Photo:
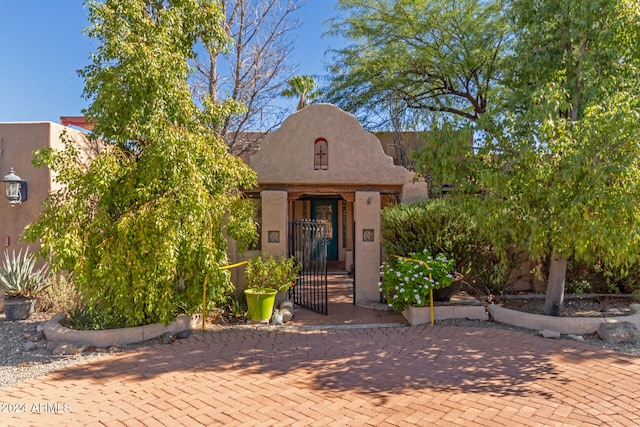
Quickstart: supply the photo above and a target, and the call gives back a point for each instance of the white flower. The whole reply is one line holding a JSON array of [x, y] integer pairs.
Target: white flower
[[398, 274], [395, 297], [449, 276], [397, 287]]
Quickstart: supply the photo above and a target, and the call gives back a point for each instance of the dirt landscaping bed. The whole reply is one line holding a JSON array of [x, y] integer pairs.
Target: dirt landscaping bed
[[584, 306]]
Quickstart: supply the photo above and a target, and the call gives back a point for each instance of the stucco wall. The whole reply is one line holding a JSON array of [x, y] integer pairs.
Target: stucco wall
[[18, 142], [355, 156]]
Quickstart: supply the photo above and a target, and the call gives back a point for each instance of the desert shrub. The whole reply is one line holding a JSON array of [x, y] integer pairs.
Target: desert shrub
[[61, 295], [440, 227]]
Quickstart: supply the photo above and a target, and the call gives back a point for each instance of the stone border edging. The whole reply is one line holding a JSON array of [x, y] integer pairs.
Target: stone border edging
[[564, 325], [422, 315], [55, 332]]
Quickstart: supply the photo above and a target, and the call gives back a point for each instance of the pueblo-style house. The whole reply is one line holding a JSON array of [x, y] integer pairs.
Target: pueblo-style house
[[319, 165], [322, 165]]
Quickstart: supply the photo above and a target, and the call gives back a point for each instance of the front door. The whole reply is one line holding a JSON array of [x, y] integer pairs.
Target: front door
[[327, 211]]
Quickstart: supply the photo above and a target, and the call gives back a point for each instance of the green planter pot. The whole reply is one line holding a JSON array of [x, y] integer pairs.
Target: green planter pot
[[260, 302]]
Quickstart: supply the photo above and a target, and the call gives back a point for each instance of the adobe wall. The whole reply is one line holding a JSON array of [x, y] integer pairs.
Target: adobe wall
[[18, 143], [355, 156]]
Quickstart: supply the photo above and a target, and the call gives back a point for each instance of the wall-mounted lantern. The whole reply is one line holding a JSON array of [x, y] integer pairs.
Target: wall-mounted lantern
[[15, 188]]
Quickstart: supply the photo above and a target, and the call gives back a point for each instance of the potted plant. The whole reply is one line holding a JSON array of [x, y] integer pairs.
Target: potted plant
[[408, 281], [266, 276], [21, 282]]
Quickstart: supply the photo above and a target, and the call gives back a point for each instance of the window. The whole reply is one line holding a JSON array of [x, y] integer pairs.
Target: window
[[321, 154]]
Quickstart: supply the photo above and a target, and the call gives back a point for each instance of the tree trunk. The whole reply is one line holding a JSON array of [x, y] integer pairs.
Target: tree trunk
[[555, 287]]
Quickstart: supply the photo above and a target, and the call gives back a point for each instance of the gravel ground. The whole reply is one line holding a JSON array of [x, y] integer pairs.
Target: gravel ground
[[24, 351]]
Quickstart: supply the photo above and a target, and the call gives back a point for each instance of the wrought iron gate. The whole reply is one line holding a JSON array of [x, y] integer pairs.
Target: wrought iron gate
[[309, 245]]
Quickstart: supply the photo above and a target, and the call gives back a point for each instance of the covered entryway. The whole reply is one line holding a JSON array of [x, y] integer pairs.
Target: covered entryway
[[322, 165]]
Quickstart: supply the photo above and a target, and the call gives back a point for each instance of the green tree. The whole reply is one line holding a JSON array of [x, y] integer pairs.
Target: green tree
[[302, 87], [434, 56], [532, 109], [567, 180], [143, 225]]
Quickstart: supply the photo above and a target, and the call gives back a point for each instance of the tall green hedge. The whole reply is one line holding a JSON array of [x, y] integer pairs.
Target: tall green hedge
[[439, 226]]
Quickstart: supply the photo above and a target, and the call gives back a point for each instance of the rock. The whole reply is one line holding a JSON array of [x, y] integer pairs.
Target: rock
[[287, 314], [183, 334], [619, 333], [30, 346], [286, 305], [67, 349], [548, 333], [40, 332], [168, 338], [578, 338], [114, 349], [277, 317], [52, 345]]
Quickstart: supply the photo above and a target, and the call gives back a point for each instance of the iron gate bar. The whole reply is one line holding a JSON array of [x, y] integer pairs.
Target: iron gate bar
[[308, 244]]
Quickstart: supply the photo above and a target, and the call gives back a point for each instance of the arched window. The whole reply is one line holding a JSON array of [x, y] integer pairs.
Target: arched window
[[321, 154]]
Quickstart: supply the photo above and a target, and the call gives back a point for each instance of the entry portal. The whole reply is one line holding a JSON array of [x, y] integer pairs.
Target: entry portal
[[327, 211]]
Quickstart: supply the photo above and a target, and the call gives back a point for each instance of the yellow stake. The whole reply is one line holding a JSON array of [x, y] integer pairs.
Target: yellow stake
[[204, 288], [432, 309]]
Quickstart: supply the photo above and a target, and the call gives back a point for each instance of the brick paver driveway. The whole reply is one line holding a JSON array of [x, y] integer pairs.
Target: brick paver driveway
[[428, 375]]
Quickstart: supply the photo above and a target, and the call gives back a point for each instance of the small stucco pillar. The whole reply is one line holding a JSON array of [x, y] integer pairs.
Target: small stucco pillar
[[367, 247], [274, 222]]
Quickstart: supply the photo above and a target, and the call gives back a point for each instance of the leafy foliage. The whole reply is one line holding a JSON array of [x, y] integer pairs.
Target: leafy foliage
[[438, 226], [302, 87], [548, 91], [272, 272], [409, 281], [433, 56], [144, 225]]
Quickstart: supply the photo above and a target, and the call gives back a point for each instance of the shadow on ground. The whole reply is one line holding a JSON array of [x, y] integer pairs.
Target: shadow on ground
[[372, 361]]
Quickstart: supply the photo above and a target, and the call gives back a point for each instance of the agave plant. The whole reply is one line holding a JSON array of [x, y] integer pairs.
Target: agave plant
[[19, 276]]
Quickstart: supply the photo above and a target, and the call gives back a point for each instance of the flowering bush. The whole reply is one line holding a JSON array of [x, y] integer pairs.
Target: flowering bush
[[406, 281]]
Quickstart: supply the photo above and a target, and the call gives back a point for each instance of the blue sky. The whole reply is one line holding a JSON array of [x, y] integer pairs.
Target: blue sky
[[42, 47]]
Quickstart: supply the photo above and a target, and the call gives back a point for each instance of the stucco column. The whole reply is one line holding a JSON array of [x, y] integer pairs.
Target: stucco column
[[367, 246], [274, 222]]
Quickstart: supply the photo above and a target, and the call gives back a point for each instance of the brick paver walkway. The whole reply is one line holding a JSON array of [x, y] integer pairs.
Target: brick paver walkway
[[427, 375]]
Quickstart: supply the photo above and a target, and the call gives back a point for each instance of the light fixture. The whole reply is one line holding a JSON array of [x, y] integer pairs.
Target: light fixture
[[15, 188]]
